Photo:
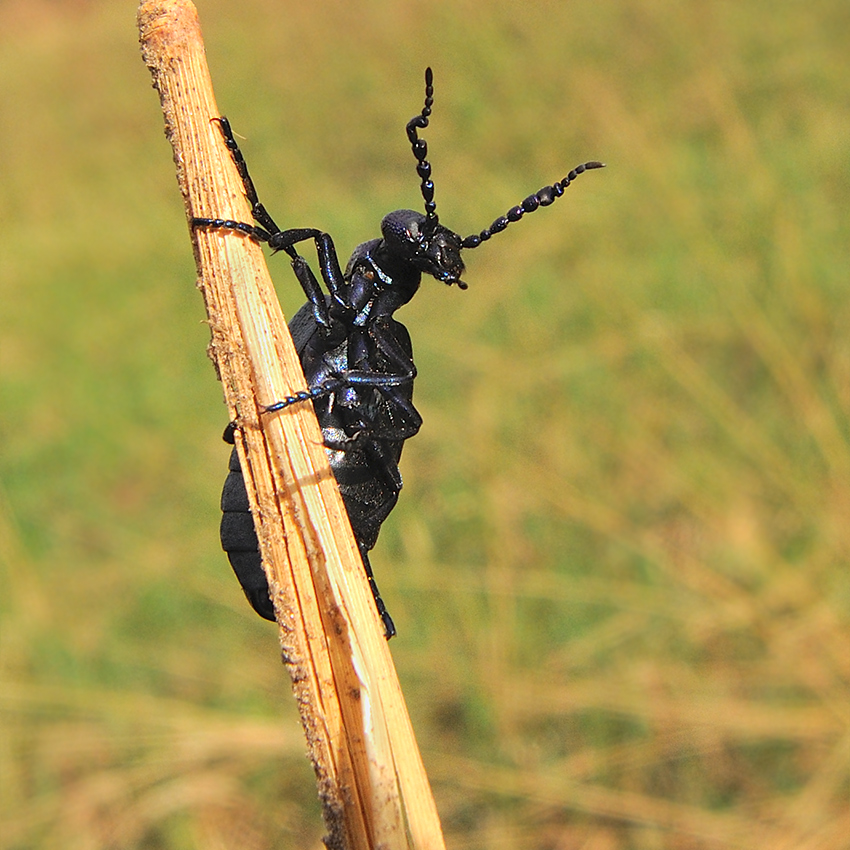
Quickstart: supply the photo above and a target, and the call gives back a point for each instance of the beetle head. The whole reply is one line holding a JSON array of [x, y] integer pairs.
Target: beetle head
[[425, 244]]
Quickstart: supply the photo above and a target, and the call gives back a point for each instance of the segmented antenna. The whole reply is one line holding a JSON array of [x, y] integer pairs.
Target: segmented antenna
[[420, 151], [547, 195]]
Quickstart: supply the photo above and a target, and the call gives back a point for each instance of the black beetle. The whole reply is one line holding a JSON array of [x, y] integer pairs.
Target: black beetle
[[358, 360]]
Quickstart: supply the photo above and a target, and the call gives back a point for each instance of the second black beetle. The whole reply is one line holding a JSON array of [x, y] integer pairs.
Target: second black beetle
[[358, 360]]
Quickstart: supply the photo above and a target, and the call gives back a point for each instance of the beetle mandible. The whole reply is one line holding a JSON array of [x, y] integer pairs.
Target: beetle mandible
[[357, 359]]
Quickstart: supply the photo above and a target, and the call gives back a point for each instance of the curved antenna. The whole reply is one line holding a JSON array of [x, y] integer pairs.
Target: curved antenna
[[420, 151], [547, 195]]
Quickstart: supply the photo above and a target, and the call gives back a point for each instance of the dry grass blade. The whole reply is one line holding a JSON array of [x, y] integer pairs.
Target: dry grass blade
[[371, 779]]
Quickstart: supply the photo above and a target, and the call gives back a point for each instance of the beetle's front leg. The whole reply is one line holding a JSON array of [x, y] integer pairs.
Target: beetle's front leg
[[326, 250], [258, 211], [267, 228], [251, 230]]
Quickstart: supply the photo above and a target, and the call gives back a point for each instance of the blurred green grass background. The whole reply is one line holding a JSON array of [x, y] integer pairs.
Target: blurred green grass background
[[619, 565]]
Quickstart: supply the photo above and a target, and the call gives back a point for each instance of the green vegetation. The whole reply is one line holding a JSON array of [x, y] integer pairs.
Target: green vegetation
[[620, 564]]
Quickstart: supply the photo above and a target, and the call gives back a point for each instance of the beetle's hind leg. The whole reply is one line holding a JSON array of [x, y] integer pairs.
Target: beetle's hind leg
[[386, 619]]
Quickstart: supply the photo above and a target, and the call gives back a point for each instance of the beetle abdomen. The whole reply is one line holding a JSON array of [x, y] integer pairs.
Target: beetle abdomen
[[239, 540]]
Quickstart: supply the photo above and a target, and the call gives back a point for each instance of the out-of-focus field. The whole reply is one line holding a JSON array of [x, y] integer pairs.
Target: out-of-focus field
[[620, 563]]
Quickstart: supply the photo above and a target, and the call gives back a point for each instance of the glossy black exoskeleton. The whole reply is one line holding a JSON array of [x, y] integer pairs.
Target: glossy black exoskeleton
[[358, 360]]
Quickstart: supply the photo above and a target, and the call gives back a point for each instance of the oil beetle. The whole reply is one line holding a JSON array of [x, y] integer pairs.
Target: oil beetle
[[358, 360]]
